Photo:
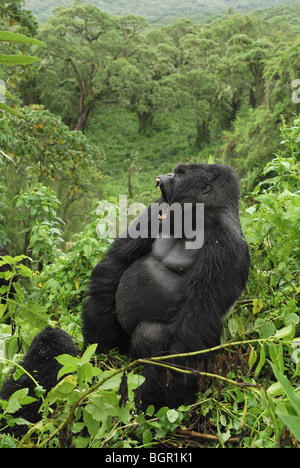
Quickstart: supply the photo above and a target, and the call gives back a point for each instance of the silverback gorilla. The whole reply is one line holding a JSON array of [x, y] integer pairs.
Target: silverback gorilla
[[155, 295]]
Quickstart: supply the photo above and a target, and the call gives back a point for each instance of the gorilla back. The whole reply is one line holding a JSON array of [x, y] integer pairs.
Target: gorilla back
[[159, 295]]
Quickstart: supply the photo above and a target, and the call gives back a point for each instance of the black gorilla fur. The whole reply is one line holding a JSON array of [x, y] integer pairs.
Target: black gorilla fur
[[152, 296], [40, 362]]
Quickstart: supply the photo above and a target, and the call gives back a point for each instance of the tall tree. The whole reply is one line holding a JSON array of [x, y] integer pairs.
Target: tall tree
[[83, 43], [141, 79]]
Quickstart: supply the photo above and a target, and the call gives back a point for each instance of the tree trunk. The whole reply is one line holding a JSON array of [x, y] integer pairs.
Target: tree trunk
[[82, 119], [202, 134], [145, 121]]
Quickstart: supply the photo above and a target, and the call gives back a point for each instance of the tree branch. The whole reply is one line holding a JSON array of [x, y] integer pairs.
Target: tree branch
[[79, 83], [200, 435]]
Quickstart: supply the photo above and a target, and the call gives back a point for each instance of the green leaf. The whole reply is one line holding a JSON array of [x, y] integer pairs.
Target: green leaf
[[257, 306], [86, 372], [7, 36], [96, 408], [19, 290], [224, 436], [24, 271], [172, 415], [68, 360], [261, 362], [268, 329], [289, 391], [275, 389], [150, 411], [3, 91], [11, 111], [233, 326], [12, 60], [147, 437], [252, 358], [292, 422], [69, 363], [18, 399], [7, 442], [2, 309], [39, 391], [91, 421], [276, 355], [88, 353], [66, 385], [286, 332]]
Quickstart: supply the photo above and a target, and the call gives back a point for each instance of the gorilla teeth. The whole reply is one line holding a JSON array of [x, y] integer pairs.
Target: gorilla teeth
[[162, 215]]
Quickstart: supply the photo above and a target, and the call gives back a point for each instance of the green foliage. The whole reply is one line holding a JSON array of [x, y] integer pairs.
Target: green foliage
[[288, 409], [275, 241], [20, 318], [217, 88], [64, 280], [12, 12], [15, 402], [17, 59], [37, 211], [45, 151], [94, 408], [3, 204], [85, 43]]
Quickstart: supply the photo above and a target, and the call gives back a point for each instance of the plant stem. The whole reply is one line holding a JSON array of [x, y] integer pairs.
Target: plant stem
[[208, 350]]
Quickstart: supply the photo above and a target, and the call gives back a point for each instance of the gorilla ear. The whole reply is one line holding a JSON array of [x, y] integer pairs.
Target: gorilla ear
[[205, 188]]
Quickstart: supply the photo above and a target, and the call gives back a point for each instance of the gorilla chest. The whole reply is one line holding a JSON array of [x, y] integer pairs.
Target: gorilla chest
[[154, 285]]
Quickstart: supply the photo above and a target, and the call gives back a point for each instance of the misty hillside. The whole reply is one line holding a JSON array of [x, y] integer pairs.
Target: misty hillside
[[155, 11]]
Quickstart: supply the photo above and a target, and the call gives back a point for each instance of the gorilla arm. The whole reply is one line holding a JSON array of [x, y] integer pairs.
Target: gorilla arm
[[98, 314]]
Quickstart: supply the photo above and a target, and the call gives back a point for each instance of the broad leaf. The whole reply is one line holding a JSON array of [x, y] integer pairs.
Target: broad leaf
[[7, 36]]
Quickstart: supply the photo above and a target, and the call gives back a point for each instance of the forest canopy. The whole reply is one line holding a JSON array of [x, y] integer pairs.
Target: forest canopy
[[95, 103]]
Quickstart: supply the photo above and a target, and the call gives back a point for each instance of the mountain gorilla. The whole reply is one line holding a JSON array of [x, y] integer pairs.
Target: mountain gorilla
[[39, 362], [153, 296], [156, 294]]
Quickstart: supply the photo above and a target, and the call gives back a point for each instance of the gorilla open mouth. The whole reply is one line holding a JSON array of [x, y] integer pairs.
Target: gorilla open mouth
[[163, 213], [159, 183]]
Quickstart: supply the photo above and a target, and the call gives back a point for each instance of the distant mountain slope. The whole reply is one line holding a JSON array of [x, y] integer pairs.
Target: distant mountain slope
[[157, 11]]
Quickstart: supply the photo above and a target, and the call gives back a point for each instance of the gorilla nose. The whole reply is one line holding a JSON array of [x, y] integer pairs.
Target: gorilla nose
[[162, 179], [165, 183]]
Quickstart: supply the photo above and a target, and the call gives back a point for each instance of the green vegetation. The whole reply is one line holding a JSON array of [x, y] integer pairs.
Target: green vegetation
[[157, 12], [111, 103]]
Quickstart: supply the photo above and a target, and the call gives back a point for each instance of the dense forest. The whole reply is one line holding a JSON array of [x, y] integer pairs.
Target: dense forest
[[96, 103]]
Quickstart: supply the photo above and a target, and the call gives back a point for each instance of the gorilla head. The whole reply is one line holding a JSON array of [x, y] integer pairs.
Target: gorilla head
[[215, 185]]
